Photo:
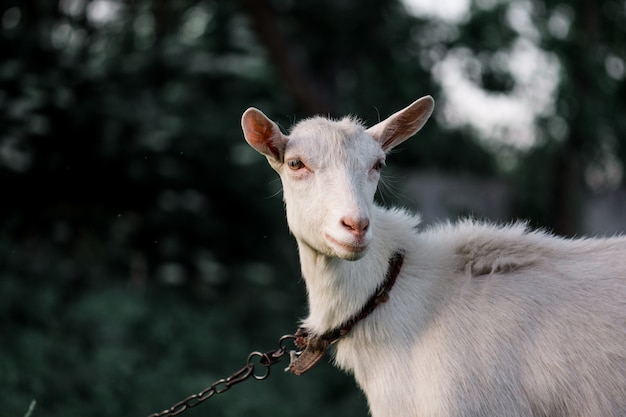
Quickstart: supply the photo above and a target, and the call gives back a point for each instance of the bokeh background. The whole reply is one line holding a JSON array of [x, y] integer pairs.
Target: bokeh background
[[143, 247]]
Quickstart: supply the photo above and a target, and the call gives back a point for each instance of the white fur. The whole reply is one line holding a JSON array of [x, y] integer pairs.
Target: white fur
[[483, 320]]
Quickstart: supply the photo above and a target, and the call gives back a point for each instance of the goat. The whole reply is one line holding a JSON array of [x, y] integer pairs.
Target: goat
[[483, 320]]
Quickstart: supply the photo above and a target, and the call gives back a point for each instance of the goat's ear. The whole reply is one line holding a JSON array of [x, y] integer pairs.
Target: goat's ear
[[263, 134], [403, 124]]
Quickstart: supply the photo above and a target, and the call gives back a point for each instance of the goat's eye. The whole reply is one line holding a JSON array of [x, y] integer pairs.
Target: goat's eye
[[378, 165], [295, 164]]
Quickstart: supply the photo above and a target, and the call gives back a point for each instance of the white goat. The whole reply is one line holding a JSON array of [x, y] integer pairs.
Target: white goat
[[482, 320]]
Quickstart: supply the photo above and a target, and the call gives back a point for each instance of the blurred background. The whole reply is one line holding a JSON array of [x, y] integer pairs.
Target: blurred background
[[143, 247]]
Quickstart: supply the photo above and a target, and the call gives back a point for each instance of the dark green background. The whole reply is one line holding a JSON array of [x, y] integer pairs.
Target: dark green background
[[143, 247]]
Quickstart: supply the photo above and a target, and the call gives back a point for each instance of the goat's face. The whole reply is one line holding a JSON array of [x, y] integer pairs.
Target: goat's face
[[329, 175], [330, 170]]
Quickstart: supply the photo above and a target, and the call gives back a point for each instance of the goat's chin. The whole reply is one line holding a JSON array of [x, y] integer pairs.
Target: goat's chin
[[345, 251], [352, 256]]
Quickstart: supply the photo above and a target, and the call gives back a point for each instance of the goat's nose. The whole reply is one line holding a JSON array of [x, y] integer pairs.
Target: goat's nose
[[356, 226]]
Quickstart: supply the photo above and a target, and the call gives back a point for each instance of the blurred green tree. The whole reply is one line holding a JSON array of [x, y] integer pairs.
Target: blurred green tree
[[143, 243], [580, 137]]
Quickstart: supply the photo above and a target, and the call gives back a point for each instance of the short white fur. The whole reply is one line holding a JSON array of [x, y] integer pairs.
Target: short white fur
[[483, 320]]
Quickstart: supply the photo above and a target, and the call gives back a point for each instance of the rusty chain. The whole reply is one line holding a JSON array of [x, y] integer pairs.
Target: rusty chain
[[266, 359]]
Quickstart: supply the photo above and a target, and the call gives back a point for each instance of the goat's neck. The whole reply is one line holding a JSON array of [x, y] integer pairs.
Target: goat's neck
[[337, 289]]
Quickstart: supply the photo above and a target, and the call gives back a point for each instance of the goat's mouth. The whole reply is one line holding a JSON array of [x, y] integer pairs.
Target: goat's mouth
[[355, 249]]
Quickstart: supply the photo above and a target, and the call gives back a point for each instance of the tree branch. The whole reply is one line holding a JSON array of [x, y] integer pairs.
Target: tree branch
[[310, 94]]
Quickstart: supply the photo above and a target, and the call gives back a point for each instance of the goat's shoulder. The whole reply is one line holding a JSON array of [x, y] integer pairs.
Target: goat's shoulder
[[480, 248]]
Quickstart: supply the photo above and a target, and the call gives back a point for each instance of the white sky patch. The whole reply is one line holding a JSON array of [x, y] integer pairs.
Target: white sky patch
[[449, 10], [498, 118], [101, 12], [519, 18]]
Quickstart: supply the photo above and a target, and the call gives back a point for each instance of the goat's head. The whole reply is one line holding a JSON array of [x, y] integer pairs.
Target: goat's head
[[330, 171]]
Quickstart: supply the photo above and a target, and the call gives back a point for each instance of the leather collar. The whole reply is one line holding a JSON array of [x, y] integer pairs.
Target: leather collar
[[314, 347]]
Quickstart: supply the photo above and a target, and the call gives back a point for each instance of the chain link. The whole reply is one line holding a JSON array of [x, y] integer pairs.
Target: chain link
[[266, 360]]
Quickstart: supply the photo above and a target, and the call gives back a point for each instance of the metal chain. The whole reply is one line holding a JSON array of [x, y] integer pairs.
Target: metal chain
[[266, 359]]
